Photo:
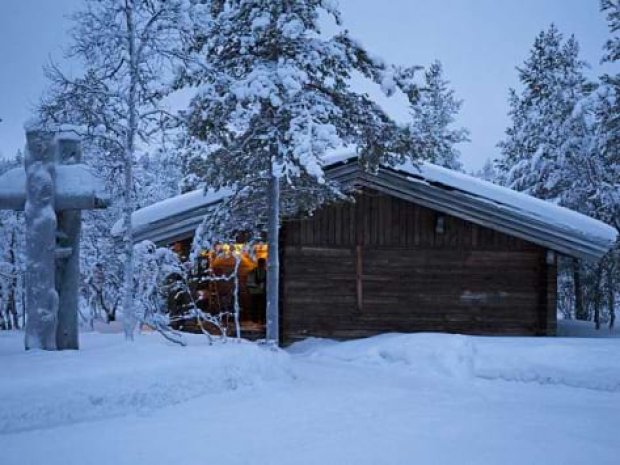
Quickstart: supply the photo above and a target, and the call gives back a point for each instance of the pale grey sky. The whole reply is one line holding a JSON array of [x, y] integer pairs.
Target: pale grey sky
[[479, 42]]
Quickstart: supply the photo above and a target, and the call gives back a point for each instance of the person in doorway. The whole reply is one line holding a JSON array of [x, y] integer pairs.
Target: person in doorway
[[257, 280]]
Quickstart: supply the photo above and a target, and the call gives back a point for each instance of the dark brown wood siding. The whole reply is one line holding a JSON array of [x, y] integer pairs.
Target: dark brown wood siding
[[379, 265]]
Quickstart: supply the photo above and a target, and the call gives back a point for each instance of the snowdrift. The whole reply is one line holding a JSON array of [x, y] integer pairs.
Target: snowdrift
[[110, 377], [578, 363]]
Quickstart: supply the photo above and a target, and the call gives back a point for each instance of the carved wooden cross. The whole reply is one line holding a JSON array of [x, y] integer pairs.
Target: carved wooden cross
[[52, 190]]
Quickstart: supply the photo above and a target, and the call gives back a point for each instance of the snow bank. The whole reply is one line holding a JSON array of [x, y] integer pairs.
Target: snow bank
[[110, 377], [580, 363], [575, 328]]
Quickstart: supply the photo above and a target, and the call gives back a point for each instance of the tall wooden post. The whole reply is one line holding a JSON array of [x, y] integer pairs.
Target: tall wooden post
[[68, 257], [41, 295], [53, 222]]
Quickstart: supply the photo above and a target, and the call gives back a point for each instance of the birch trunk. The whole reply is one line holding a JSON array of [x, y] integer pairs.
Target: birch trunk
[[12, 298], [273, 261], [129, 316], [597, 296], [611, 301]]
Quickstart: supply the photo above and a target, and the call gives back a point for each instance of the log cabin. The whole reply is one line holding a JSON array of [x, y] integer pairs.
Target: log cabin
[[422, 248]]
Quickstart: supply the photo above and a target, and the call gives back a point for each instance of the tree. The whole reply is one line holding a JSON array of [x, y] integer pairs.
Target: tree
[[487, 172], [612, 47], [273, 97], [551, 132], [11, 259], [534, 152], [433, 114], [608, 116], [124, 47]]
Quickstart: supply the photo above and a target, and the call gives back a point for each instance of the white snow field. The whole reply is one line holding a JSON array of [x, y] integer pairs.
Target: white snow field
[[388, 400]]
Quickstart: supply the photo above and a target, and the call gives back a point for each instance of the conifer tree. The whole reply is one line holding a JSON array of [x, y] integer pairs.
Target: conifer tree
[[551, 132], [608, 117], [533, 154], [434, 114], [273, 96]]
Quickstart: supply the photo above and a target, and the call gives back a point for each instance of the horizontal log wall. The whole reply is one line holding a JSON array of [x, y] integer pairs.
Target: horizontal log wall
[[378, 265]]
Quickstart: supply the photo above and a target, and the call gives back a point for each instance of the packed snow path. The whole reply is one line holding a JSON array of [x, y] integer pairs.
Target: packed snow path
[[394, 399]]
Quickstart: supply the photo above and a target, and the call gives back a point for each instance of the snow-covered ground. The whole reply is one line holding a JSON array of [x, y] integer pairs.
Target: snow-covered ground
[[392, 399]]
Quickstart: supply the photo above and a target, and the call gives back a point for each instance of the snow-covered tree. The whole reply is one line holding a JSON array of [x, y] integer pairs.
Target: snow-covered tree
[[533, 154], [611, 8], [123, 45], [608, 115], [560, 147], [11, 260], [550, 129], [488, 172], [273, 95], [607, 196], [595, 174], [434, 115]]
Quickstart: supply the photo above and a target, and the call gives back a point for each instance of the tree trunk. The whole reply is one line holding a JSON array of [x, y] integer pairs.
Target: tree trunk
[[597, 296], [580, 313], [611, 300], [129, 316], [273, 261], [12, 299]]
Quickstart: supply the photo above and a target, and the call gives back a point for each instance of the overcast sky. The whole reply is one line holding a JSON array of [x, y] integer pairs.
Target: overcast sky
[[479, 42]]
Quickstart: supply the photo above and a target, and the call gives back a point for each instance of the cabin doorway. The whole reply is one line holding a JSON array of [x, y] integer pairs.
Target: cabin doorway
[[212, 287]]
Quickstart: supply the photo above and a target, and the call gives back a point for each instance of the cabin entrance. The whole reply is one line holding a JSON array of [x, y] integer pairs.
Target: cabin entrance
[[212, 287]]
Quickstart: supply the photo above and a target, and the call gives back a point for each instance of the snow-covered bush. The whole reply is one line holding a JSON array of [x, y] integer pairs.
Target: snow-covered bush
[[162, 282]]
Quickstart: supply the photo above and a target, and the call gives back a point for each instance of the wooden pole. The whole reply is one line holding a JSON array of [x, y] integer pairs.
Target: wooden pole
[[41, 295], [68, 259]]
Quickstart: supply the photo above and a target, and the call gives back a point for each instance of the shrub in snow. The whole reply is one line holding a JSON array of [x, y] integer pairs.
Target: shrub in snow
[[161, 278]]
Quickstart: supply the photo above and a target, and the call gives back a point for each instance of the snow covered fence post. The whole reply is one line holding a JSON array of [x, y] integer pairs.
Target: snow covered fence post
[[41, 294]]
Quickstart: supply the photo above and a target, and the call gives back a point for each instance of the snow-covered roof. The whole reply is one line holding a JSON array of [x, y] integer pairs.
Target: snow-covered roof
[[500, 196], [174, 218], [445, 190]]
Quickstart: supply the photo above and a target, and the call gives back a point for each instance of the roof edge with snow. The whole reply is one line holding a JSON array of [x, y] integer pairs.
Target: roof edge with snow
[[454, 193]]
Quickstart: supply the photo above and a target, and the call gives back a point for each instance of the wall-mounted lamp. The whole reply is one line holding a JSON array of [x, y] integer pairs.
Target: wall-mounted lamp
[[440, 224]]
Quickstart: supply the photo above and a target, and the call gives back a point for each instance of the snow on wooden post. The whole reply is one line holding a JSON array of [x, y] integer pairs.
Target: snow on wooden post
[[41, 294], [52, 190], [68, 256]]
